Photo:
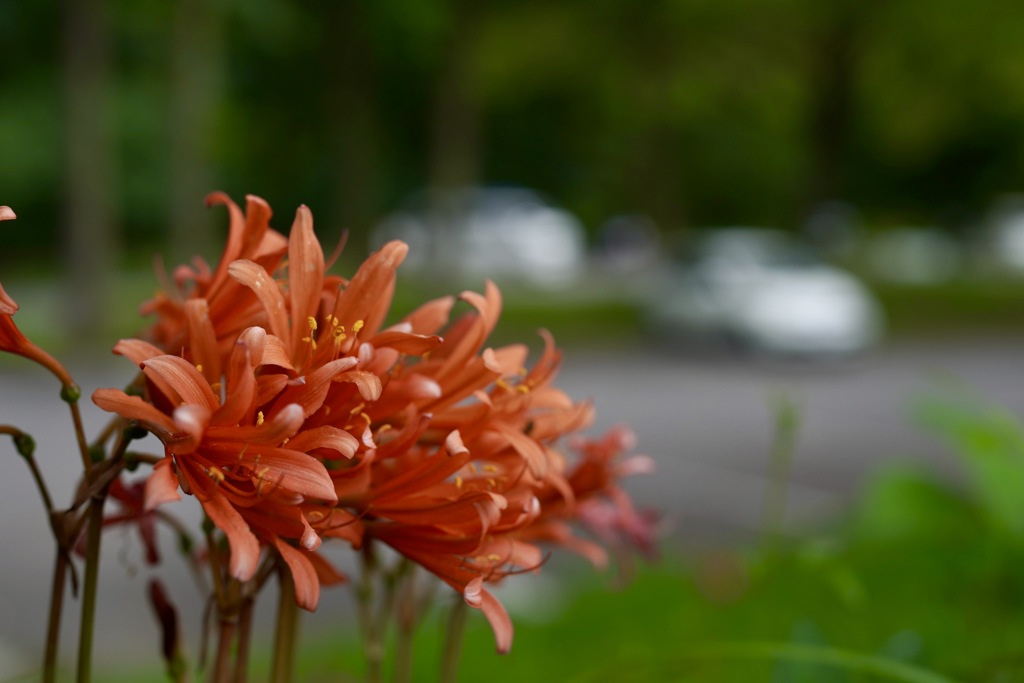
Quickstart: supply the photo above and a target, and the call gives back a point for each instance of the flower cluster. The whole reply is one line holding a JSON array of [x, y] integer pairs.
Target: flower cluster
[[294, 414]]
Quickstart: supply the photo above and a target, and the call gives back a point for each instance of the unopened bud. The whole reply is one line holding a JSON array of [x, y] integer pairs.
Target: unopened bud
[[70, 393]]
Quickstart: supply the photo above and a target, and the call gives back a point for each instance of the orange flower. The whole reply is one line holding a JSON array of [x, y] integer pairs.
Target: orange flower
[[229, 307], [11, 338], [244, 456]]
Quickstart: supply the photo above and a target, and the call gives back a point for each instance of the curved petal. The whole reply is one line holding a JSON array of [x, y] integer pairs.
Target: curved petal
[[245, 549], [326, 437], [161, 486], [304, 576], [256, 278], [184, 379], [305, 276], [134, 408], [478, 596], [202, 339]]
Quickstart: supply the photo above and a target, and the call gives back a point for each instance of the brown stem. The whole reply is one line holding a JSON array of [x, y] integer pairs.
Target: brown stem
[[221, 671], [244, 636]]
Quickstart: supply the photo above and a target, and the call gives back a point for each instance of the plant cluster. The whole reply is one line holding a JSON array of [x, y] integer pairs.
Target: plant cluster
[[295, 415]]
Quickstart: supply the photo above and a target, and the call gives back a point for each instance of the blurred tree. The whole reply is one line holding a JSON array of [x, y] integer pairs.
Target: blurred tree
[[90, 214], [197, 88]]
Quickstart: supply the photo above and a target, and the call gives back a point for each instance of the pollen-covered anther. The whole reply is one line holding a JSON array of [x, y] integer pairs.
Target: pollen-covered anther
[[523, 388], [215, 473], [490, 468], [259, 419], [357, 325], [311, 321], [315, 516], [503, 384], [458, 482]]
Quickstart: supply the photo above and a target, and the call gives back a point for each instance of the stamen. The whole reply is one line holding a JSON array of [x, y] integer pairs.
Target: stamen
[[458, 482], [215, 473], [259, 419]]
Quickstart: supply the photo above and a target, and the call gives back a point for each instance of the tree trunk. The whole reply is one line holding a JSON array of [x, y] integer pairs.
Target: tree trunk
[[90, 220]]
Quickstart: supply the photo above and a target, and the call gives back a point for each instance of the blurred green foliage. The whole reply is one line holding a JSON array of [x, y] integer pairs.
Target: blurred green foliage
[[921, 582], [694, 112]]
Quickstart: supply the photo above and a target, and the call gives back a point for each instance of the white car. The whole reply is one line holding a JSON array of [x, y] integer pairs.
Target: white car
[[502, 233], [762, 289]]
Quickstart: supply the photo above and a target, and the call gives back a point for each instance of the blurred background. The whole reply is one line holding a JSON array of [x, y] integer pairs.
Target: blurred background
[[760, 228]]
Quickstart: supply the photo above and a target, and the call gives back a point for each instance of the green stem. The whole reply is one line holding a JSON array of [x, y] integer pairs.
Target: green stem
[[92, 565], [94, 533], [83, 445], [453, 642], [787, 424], [406, 618], [53, 624], [282, 665], [373, 647]]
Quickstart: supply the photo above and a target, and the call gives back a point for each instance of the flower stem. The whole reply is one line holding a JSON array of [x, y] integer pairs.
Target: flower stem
[[225, 637], [282, 665], [83, 445], [373, 647], [244, 636], [53, 625], [406, 619], [453, 643], [92, 566]]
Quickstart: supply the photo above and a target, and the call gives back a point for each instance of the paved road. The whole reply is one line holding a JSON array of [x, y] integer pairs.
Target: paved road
[[705, 419]]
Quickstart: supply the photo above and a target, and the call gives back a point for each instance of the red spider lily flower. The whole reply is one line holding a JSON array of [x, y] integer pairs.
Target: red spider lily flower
[[598, 502], [234, 454], [229, 307], [11, 338]]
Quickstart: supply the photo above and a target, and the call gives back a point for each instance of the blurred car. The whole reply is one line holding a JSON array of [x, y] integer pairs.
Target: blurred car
[[502, 233], [762, 289]]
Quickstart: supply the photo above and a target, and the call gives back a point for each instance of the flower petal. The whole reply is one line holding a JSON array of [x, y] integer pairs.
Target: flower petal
[[161, 486], [478, 596], [304, 576]]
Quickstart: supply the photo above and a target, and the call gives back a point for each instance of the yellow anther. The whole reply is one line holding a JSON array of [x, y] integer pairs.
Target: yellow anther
[[216, 386], [356, 326], [458, 482], [286, 440], [357, 409], [493, 558], [314, 516], [490, 468], [216, 474], [259, 419], [312, 323], [503, 384], [199, 367], [339, 335], [383, 428], [327, 410], [522, 389], [369, 420]]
